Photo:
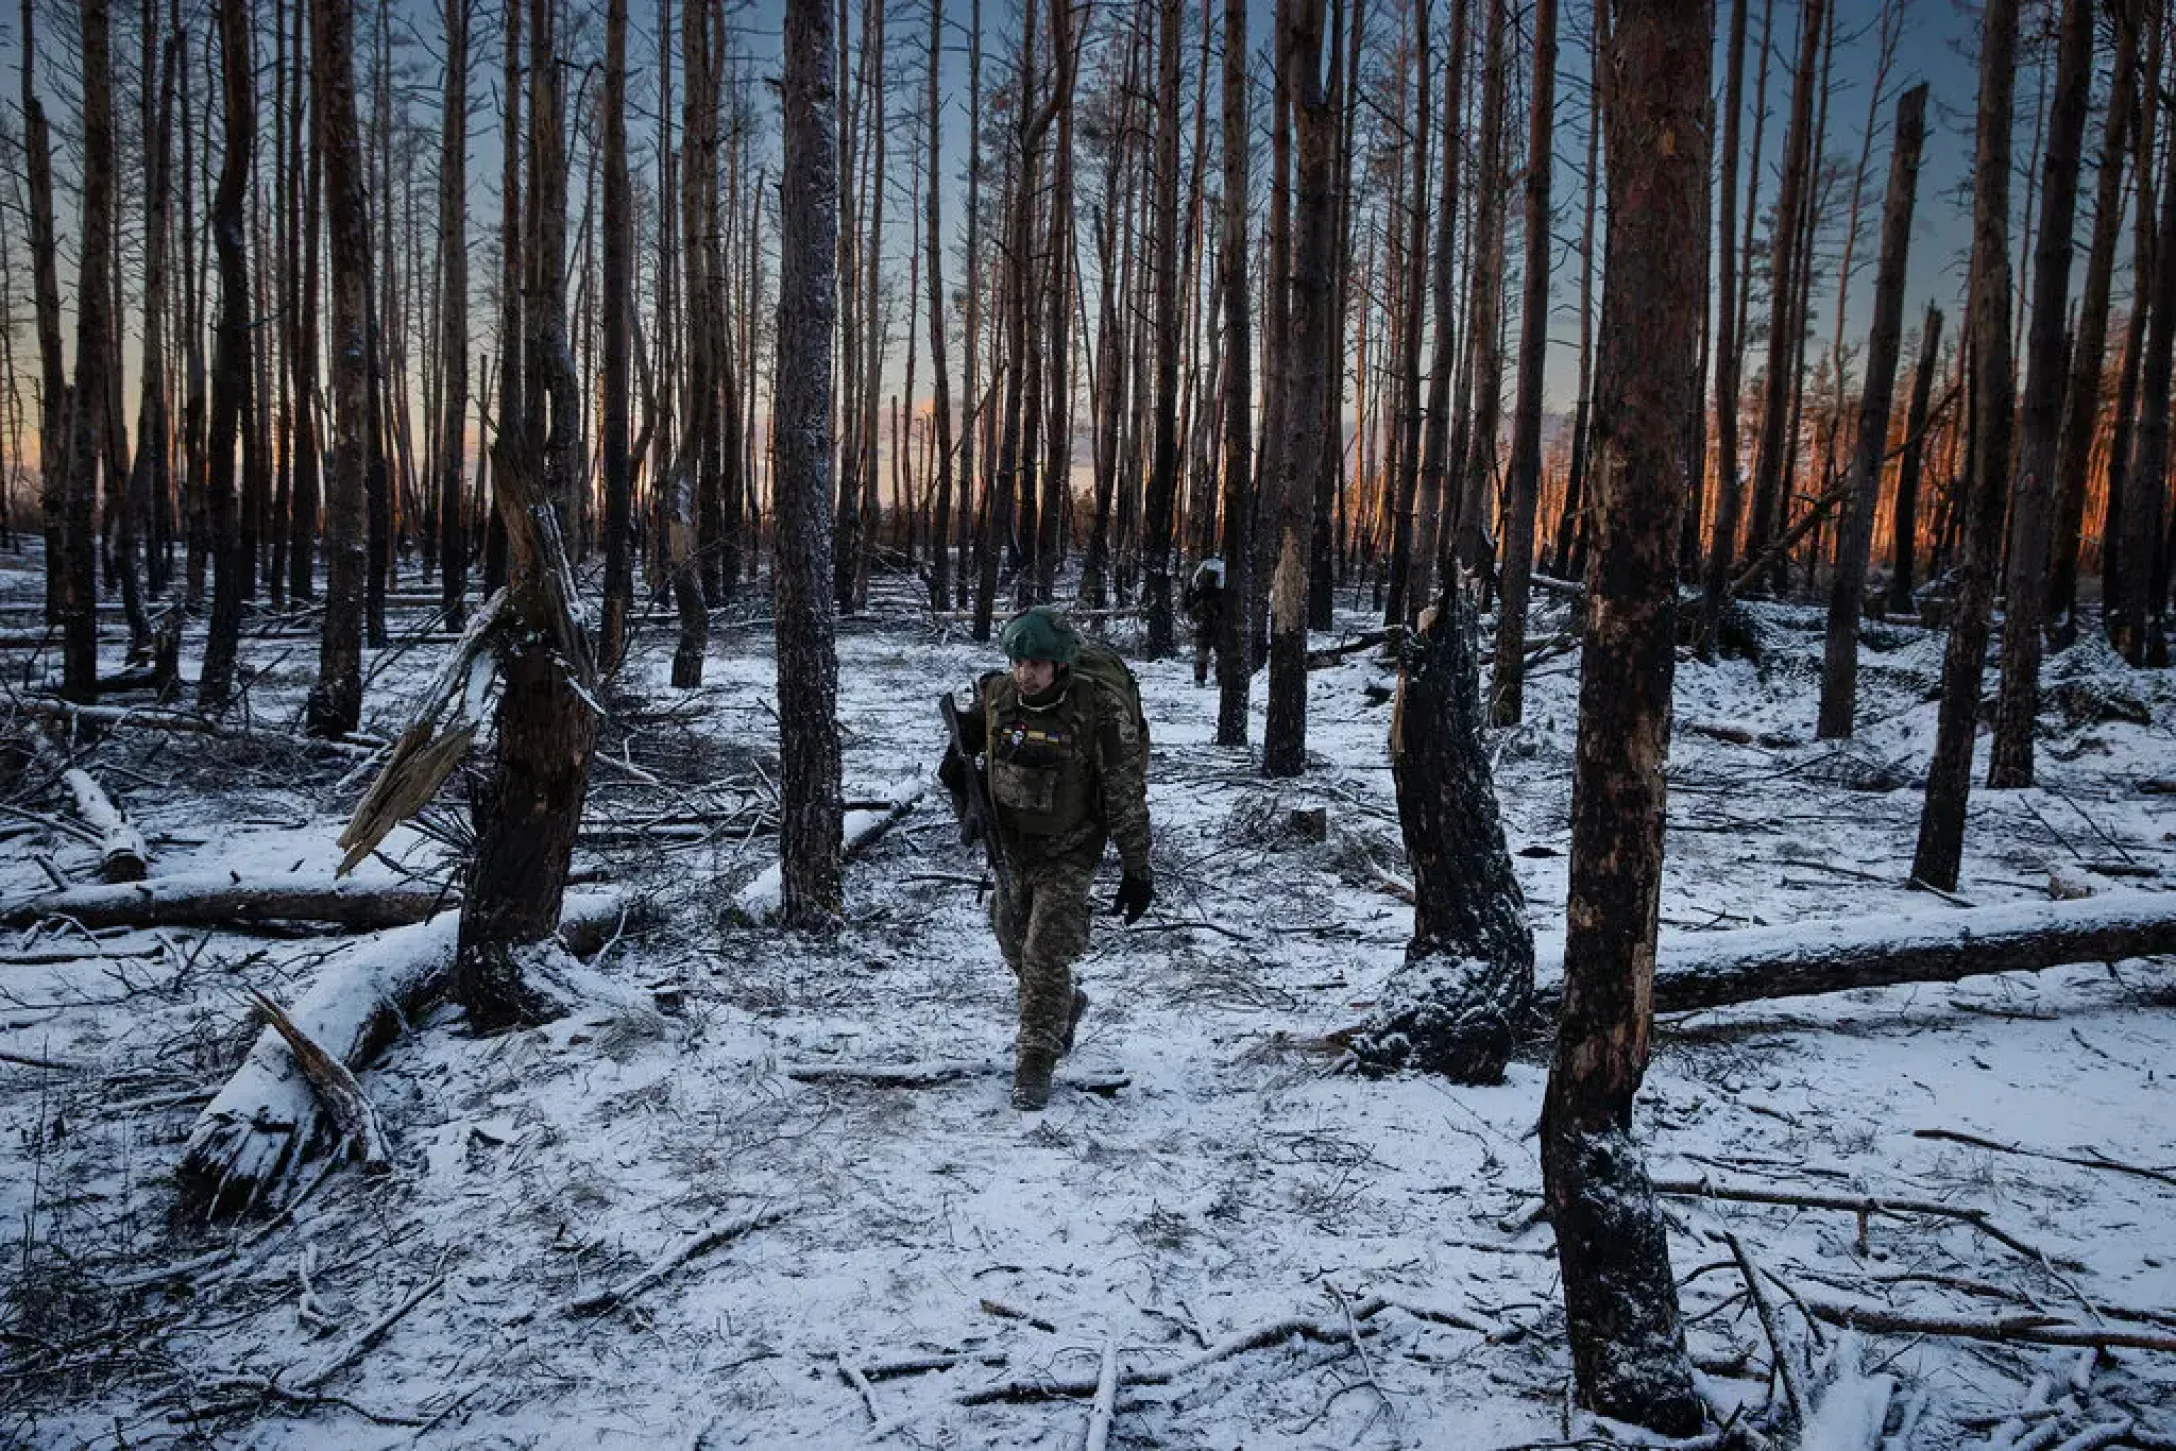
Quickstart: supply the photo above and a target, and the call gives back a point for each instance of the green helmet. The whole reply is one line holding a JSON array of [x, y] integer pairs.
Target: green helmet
[[1041, 633]]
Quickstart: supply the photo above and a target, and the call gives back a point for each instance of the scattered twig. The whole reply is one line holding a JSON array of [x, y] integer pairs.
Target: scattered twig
[[1004, 1311], [1786, 1363], [2089, 1160], [355, 1349], [1862, 1205], [2018, 1329], [701, 1244]]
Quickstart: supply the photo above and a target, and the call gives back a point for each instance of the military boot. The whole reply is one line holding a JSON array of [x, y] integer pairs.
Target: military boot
[[1031, 1081], [1072, 1020]]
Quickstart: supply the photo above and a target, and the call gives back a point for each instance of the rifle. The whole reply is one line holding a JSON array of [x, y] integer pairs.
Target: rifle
[[981, 811]]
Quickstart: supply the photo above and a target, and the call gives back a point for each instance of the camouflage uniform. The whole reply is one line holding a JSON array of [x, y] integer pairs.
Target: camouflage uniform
[[1066, 774], [1205, 608]]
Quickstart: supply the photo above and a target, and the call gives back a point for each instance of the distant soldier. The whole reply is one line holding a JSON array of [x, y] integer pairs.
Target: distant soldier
[[1205, 608], [1063, 767]]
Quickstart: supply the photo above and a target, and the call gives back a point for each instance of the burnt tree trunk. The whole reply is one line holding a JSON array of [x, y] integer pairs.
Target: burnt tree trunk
[[1409, 539], [1847, 592], [1163, 482], [808, 679], [2040, 420], [1783, 272], [1234, 680], [2138, 609], [529, 805], [1949, 776], [1569, 557], [306, 499], [336, 700], [618, 303], [1459, 1001], [53, 442], [2081, 409], [940, 529], [1729, 485], [1507, 684], [453, 319], [1620, 1296], [1472, 545], [231, 403], [1904, 519], [75, 565], [1300, 47]]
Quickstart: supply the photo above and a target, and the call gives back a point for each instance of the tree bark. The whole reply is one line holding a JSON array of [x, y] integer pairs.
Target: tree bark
[[1620, 1296], [1418, 492], [1949, 775], [305, 499], [1847, 592], [1507, 685], [940, 534], [54, 442], [1234, 680], [807, 653], [336, 700], [2040, 420]]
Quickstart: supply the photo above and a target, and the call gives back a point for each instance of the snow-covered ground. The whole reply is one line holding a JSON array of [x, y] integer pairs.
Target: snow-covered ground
[[931, 1266]]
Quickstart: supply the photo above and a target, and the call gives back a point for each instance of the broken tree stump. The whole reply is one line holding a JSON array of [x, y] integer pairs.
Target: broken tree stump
[[1457, 1002], [249, 1140]]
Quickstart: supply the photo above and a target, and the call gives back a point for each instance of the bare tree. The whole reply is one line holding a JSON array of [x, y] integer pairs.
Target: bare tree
[[1729, 484], [1164, 472], [1300, 50], [1411, 538], [76, 561], [54, 445], [453, 317], [1904, 515], [232, 402], [940, 537], [2139, 606], [1949, 775], [1507, 686], [619, 302], [1470, 543], [1233, 677], [1847, 595], [1786, 262], [336, 700], [808, 680], [2081, 410], [1620, 1297]]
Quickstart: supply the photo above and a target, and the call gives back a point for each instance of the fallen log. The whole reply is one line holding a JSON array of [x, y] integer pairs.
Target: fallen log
[[227, 901], [1802, 959], [931, 1074], [122, 854], [266, 1122], [114, 717], [1330, 655]]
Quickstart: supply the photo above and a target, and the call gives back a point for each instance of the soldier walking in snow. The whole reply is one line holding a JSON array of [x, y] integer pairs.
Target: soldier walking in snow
[[1205, 608], [1062, 768]]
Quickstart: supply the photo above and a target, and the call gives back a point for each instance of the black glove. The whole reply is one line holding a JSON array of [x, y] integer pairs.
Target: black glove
[[1134, 895]]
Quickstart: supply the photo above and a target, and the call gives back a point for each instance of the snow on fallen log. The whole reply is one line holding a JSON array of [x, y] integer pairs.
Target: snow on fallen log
[[267, 1119], [1801, 959], [122, 854], [760, 900], [224, 900]]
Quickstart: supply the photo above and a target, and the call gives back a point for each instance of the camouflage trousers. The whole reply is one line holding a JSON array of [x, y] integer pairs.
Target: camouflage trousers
[[1204, 649], [1042, 927]]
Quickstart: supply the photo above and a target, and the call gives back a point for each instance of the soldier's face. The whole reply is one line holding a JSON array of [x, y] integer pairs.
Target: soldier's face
[[1033, 677]]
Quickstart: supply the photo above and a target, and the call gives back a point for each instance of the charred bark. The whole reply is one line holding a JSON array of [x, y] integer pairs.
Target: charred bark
[[807, 304], [231, 415], [1620, 1296], [1234, 679]]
